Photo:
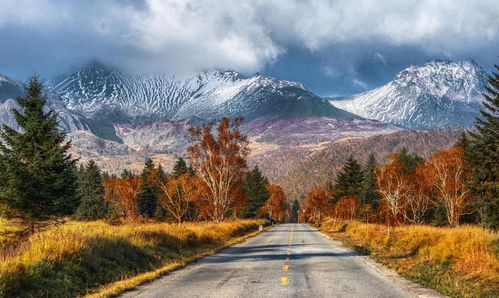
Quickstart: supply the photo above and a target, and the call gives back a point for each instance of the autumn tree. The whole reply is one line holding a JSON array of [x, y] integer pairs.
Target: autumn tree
[[390, 185], [37, 173], [220, 160], [346, 208], [179, 195], [448, 177], [275, 205], [124, 192], [317, 204]]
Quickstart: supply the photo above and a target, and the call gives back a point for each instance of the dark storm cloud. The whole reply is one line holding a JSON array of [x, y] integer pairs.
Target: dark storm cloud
[[334, 47]]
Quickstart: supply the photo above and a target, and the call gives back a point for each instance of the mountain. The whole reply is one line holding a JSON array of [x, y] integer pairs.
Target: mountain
[[101, 93], [10, 89], [439, 93]]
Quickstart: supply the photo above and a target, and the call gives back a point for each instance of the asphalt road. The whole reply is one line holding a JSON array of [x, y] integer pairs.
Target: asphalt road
[[289, 260]]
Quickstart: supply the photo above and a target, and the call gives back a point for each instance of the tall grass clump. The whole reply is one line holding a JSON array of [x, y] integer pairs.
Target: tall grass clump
[[77, 257], [461, 261]]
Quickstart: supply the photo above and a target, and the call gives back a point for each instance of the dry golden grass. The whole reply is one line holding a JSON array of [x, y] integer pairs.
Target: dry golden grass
[[462, 261], [76, 257]]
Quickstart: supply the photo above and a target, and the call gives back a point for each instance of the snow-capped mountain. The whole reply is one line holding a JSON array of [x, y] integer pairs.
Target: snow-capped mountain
[[10, 89], [99, 92], [439, 93]]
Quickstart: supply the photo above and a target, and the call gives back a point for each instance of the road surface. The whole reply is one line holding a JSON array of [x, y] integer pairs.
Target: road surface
[[289, 260]]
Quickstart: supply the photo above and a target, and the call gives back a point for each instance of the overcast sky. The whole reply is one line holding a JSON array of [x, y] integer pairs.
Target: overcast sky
[[333, 47]]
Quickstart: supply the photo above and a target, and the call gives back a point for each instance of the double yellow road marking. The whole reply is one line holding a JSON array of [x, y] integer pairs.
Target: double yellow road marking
[[285, 268]]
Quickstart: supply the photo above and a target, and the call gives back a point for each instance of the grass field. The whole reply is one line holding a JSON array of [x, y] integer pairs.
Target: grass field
[[460, 262], [78, 258]]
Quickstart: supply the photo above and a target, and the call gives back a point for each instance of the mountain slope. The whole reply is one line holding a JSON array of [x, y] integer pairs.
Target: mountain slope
[[10, 89], [99, 92], [439, 93]]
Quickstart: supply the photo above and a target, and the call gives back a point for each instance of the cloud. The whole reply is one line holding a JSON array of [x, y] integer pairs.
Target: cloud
[[183, 36]]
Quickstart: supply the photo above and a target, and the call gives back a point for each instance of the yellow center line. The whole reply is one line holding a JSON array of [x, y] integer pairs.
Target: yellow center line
[[284, 280], [285, 268]]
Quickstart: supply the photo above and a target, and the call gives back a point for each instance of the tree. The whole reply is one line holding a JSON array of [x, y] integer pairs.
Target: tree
[[179, 195], [295, 210], [124, 192], [349, 180], [151, 179], [180, 168], [317, 204], [390, 185], [448, 177], [483, 156], [220, 161], [369, 196], [91, 194], [255, 186], [275, 205], [38, 175], [346, 207]]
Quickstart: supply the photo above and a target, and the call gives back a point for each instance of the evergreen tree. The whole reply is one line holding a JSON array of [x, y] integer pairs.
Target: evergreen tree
[[38, 176], [127, 173], [90, 192], [409, 160], [147, 201], [349, 180], [254, 187], [483, 157], [180, 168], [369, 194], [295, 210]]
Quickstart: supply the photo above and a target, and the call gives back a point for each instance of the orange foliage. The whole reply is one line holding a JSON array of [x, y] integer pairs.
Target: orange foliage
[[180, 194], [275, 206], [220, 161], [446, 169], [317, 204], [346, 207], [124, 193]]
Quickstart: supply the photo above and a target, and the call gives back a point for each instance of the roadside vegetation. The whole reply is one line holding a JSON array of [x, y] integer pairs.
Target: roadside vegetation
[[459, 262], [68, 229], [409, 213], [77, 257]]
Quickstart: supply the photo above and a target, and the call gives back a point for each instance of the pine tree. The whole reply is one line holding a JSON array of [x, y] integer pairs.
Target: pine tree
[[180, 168], [254, 187], [483, 156], [369, 195], [349, 180], [147, 201], [295, 210], [409, 160], [90, 192], [38, 176]]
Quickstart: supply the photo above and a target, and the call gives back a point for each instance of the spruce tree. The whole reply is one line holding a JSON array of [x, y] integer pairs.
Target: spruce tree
[[295, 210], [90, 192], [409, 160], [147, 201], [483, 156], [254, 187], [349, 180], [180, 168], [38, 176], [369, 194]]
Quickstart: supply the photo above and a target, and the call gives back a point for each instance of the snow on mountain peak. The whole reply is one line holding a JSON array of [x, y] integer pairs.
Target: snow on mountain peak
[[438, 93]]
